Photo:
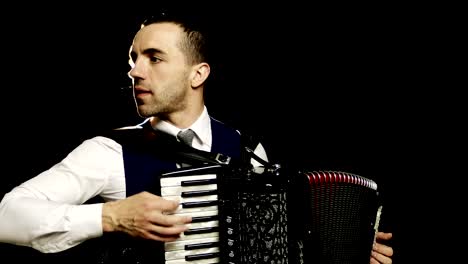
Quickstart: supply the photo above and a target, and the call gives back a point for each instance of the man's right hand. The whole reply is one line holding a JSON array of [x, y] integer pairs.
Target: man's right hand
[[144, 215]]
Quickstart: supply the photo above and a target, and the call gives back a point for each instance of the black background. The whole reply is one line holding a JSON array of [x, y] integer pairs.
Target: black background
[[348, 77]]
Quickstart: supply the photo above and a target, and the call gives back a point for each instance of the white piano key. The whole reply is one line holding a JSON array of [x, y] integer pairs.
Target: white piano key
[[176, 181], [193, 199], [202, 224], [200, 213], [180, 254], [181, 210], [177, 190], [178, 245]]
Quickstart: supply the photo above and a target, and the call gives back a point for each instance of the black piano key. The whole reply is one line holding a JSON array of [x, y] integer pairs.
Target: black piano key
[[199, 193], [201, 256], [199, 204], [201, 245], [198, 219], [202, 230], [198, 182]]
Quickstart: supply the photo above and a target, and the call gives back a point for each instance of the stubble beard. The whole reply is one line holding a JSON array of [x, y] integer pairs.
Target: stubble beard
[[169, 101]]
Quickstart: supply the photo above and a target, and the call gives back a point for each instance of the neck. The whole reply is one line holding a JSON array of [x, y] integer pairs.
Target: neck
[[181, 119]]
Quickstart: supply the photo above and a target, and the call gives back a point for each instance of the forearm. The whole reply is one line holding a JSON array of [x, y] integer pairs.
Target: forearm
[[47, 226]]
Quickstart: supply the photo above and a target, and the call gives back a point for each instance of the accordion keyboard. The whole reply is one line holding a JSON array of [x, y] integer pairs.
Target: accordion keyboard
[[196, 190]]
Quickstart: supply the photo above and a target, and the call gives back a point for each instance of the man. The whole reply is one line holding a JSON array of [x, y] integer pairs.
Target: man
[[168, 70], [52, 213]]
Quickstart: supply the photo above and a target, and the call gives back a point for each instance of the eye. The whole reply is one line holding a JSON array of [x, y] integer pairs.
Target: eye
[[155, 59]]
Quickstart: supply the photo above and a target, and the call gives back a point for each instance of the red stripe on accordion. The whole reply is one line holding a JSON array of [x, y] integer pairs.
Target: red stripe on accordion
[[331, 177]]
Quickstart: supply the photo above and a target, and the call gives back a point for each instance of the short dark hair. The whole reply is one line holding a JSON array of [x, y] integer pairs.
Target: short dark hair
[[194, 45]]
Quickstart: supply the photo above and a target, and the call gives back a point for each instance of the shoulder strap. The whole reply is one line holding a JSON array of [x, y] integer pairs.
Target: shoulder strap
[[164, 145]]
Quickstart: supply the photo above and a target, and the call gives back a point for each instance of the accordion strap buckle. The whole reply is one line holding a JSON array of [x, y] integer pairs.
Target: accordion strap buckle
[[222, 159]]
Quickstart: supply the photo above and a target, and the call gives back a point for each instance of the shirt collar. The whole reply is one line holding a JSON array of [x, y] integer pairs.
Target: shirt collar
[[201, 127]]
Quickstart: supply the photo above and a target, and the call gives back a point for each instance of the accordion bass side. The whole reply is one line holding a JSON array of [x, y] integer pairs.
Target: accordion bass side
[[342, 217], [273, 215]]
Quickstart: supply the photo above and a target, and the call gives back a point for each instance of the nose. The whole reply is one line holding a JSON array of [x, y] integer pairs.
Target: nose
[[136, 71]]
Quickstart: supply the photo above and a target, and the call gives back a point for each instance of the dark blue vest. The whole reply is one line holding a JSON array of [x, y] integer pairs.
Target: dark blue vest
[[143, 167]]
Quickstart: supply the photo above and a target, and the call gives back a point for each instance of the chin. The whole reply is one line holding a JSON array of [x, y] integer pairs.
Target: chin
[[147, 111], [142, 112]]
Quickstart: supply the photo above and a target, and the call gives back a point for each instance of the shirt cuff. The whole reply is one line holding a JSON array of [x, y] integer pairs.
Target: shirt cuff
[[86, 221]]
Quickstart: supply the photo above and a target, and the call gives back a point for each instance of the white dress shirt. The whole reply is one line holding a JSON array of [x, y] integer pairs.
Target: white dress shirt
[[47, 211]]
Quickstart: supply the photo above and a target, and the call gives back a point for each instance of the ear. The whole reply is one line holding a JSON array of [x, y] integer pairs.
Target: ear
[[200, 74]]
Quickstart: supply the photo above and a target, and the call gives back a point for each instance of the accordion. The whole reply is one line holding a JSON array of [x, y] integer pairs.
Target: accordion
[[271, 215]]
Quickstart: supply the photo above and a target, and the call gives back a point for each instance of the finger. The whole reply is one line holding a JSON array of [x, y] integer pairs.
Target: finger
[[167, 230], [166, 205], [160, 237], [384, 236], [161, 219], [380, 258], [373, 261], [383, 249]]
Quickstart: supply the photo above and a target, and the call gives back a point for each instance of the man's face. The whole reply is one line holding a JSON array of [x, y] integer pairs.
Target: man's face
[[159, 71]]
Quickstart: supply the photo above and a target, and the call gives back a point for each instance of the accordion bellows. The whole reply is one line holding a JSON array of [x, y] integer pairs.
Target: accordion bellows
[[342, 215]]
